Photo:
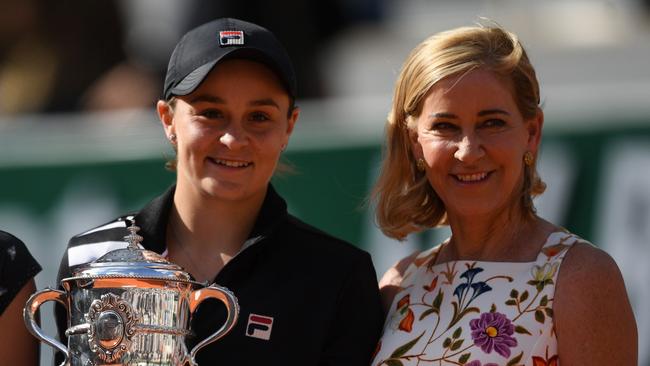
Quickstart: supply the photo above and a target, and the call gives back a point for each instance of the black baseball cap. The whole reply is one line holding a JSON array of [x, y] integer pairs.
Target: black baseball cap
[[204, 46]]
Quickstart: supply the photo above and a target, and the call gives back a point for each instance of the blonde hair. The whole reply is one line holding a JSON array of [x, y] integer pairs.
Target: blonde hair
[[405, 200]]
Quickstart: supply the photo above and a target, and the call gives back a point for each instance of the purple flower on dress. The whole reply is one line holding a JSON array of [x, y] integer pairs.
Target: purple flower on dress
[[478, 363], [492, 331]]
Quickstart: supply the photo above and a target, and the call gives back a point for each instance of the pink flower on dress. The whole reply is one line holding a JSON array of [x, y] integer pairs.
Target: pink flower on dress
[[493, 331]]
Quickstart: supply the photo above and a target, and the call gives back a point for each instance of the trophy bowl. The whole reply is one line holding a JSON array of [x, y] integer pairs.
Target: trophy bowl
[[130, 307]]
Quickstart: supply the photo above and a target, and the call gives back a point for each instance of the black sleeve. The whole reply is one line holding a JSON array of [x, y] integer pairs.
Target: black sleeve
[[17, 267], [355, 331]]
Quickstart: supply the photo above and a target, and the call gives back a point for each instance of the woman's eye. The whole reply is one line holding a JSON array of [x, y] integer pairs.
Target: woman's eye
[[443, 126], [259, 117], [211, 113], [494, 123]]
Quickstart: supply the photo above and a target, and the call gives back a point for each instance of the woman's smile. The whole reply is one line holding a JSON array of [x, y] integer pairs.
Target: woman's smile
[[472, 178], [229, 163]]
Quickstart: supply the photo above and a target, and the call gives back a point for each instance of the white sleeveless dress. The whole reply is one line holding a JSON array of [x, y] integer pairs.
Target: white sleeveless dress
[[475, 313]]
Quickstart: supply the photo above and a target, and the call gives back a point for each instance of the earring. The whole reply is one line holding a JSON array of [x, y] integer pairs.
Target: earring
[[421, 165], [528, 158], [284, 147], [172, 138]]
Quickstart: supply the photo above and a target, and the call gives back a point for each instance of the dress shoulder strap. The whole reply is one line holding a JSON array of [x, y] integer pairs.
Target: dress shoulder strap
[[425, 258], [556, 246]]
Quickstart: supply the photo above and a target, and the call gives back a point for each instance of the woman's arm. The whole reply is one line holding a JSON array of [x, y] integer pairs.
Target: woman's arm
[[593, 318], [17, 345]]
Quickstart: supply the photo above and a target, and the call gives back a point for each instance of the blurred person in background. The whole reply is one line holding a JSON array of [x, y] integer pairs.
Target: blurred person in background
[[51, 53], [109, 55], [507, 287], [17, 271], [306, 297], [151, 28]]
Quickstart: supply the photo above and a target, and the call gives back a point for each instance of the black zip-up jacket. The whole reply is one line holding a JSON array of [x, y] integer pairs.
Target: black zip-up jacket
[[319, 292]]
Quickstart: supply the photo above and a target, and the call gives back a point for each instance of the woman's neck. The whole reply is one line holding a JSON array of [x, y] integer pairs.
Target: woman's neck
[[511, 235], [209, 228]]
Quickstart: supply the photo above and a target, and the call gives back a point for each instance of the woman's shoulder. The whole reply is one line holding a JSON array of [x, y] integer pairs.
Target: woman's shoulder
[[397, 273], [113, 229], [586, 260], [591, 302], [13, 250], [310, 238], [150, 217], [583, 263], [587, 274], [392, 280], [7, 240]]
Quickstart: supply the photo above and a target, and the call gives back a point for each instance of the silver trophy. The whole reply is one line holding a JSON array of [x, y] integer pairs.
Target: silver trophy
[[130, 307]]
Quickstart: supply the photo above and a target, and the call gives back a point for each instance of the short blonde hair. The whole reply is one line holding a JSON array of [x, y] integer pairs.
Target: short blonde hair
[[405, 200]]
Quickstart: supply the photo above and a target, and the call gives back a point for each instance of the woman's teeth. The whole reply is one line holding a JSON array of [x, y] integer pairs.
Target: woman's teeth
[[232, 164], [471, 177]]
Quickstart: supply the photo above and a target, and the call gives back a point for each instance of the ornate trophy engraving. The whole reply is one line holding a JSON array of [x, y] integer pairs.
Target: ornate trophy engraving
[[109, 337], [130, 307]]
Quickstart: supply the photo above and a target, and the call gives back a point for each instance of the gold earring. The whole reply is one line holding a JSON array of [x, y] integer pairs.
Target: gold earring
[[421, 165], [528, 158]]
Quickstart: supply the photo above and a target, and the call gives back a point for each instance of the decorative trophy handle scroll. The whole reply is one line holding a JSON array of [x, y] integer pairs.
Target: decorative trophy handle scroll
[[32, 305], [227, 298]]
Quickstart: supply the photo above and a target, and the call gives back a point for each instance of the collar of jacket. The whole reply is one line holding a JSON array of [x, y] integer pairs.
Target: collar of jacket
[[152, 219]]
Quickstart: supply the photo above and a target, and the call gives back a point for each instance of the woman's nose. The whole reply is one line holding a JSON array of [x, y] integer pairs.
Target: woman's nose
[[469, 149], [234, 137]]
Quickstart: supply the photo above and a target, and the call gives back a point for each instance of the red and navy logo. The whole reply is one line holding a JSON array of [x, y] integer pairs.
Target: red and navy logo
[[259, 326], [227, 38]]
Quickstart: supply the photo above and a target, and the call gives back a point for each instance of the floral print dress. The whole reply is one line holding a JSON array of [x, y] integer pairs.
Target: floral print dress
[[475, 313]]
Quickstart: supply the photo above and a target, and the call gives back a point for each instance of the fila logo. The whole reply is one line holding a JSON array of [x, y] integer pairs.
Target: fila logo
[[259, 326], [227, 38]]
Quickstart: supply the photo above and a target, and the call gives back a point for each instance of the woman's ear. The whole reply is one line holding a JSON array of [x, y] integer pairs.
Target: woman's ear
[[166, 117], [412, 131], [534, 127], [293, 118]]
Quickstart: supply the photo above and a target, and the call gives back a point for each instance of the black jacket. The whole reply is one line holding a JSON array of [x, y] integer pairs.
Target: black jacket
[[320, 291]]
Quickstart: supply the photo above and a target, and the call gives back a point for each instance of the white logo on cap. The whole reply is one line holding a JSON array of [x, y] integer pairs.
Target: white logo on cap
[[228, 38]]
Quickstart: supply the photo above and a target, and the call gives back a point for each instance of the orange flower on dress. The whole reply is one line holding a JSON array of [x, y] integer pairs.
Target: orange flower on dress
[[553, 250], [553, 361], [432, 286], [404, 301], [406, 324]]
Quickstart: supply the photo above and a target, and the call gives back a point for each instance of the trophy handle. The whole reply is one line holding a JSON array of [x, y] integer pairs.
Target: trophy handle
[[32, 305], [228, 299]]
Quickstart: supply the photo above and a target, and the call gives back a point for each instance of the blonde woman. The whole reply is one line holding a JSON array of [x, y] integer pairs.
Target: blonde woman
[[508, 287]]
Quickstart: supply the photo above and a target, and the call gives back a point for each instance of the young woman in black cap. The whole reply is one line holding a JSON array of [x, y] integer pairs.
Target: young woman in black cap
[[306, 298], [17, 271]]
